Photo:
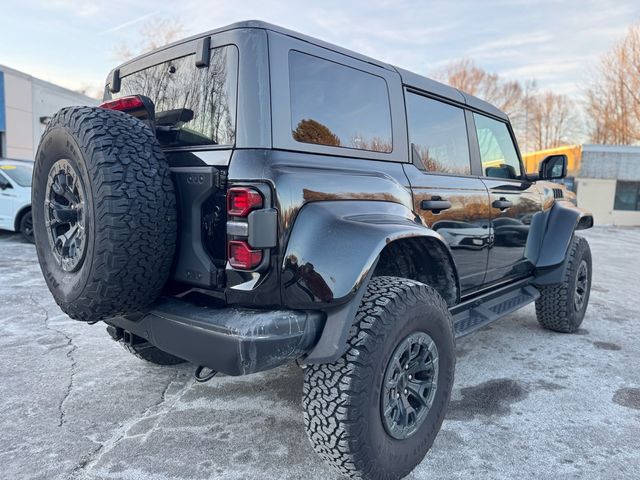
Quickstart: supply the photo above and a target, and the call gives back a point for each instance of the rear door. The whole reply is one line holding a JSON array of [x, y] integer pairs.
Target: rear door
[[514, 200], [448, 195]]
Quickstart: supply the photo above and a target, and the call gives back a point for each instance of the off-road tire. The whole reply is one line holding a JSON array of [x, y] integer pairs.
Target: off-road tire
[[129, 209], [555, 308], [342, 400], [26, 227]]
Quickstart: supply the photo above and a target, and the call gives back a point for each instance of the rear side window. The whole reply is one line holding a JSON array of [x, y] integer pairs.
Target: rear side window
[[339, 106], [497, 151], [194, 106], [438, 135]]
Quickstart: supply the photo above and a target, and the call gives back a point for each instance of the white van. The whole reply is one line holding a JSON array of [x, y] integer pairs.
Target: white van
[[15, 197]]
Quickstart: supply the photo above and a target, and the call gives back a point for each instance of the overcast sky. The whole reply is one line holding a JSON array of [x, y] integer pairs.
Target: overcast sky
[[558, 43]]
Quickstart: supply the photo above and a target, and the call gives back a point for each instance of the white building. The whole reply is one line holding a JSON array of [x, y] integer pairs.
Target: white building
[[26, 105], [609, 184]]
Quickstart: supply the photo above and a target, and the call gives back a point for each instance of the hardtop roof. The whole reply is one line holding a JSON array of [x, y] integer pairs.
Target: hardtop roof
[[408, 78]]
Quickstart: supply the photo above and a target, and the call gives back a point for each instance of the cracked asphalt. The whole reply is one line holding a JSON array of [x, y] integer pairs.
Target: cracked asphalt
[[527, 403]]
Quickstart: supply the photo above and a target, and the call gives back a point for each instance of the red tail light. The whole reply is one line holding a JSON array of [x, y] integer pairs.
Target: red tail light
[[242, 257], [242, 200], [133, 102]]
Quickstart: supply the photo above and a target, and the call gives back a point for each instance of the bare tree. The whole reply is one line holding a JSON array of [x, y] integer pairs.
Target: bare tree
[[510, 96], [465, 75], [613, 99], [154, 33], [552, 121], [540, 119]]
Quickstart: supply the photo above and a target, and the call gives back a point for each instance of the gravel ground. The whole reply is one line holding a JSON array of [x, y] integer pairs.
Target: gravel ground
[[527, 403]]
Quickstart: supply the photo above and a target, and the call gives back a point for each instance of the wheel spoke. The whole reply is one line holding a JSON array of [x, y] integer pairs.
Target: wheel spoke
[[429, 366], [65, 214], [408, 410], [65, 239], [393, 403], [418, 395]]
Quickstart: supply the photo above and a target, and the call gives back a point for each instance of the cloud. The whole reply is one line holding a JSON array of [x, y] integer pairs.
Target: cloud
[[511, 42], [543, 71], [130, 22], [553, 41]]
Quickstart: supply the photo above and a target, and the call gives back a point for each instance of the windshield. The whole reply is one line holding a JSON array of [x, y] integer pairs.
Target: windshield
[[20, 174], [193, 106]]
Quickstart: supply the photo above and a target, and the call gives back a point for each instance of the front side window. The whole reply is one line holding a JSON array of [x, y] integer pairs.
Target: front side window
[[497, 151], [627, 196], [438, 135], [338, 106], [194, 106]]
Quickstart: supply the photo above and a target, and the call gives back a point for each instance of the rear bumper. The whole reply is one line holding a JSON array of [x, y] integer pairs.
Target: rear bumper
[[233, 341]]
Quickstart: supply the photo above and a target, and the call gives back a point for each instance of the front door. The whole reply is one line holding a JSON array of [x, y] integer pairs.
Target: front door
[[514, 200], [7, 203], [446, 196]]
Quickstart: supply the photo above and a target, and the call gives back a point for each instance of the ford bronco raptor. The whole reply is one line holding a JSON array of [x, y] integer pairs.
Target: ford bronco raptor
[[252, 196]]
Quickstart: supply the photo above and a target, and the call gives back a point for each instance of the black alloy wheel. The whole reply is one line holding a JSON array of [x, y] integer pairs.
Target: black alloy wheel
[[410, 385], [582, 286], [64, 215]]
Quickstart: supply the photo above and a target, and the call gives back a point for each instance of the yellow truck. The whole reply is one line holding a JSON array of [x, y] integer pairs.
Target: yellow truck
[[573, 152]]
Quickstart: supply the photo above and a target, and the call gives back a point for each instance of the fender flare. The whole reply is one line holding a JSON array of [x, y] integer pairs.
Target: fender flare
[[550, 237], [331, 255]]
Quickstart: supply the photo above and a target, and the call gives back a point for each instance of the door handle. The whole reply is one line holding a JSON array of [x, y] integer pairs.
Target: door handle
[[502, 204], [436, 204]]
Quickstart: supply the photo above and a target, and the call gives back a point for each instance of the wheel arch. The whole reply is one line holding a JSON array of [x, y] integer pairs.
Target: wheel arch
[[425, 259], [550, 237], [336, 247]]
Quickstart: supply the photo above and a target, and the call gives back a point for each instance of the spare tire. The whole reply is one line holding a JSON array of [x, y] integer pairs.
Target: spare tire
[[104, 213]]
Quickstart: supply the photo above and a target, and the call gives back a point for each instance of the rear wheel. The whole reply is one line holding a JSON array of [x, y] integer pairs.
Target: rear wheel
[[104, 213], [561, 307], [375, 412], [26, 227]]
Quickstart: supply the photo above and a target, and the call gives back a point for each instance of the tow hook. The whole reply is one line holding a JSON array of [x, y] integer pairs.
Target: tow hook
[[124, 336], [202, 378]]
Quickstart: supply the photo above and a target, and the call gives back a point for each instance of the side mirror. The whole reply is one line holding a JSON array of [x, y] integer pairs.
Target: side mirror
[[4, 184], [553, 167]]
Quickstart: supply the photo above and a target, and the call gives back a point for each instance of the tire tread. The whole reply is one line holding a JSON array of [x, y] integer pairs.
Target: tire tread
[[332, 392], [135, 221], [554, 307]]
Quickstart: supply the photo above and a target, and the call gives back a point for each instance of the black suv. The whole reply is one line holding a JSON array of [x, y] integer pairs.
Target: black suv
[[252, 196]]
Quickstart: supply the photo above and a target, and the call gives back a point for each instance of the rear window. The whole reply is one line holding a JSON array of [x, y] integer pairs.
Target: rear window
[[339, 106], [18, 173], [194, 106]]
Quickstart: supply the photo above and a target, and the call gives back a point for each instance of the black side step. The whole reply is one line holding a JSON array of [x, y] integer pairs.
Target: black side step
[[480, 311]]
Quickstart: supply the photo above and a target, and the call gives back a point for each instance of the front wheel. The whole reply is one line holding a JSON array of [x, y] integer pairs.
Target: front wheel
[[562, 306], [375, 412]]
